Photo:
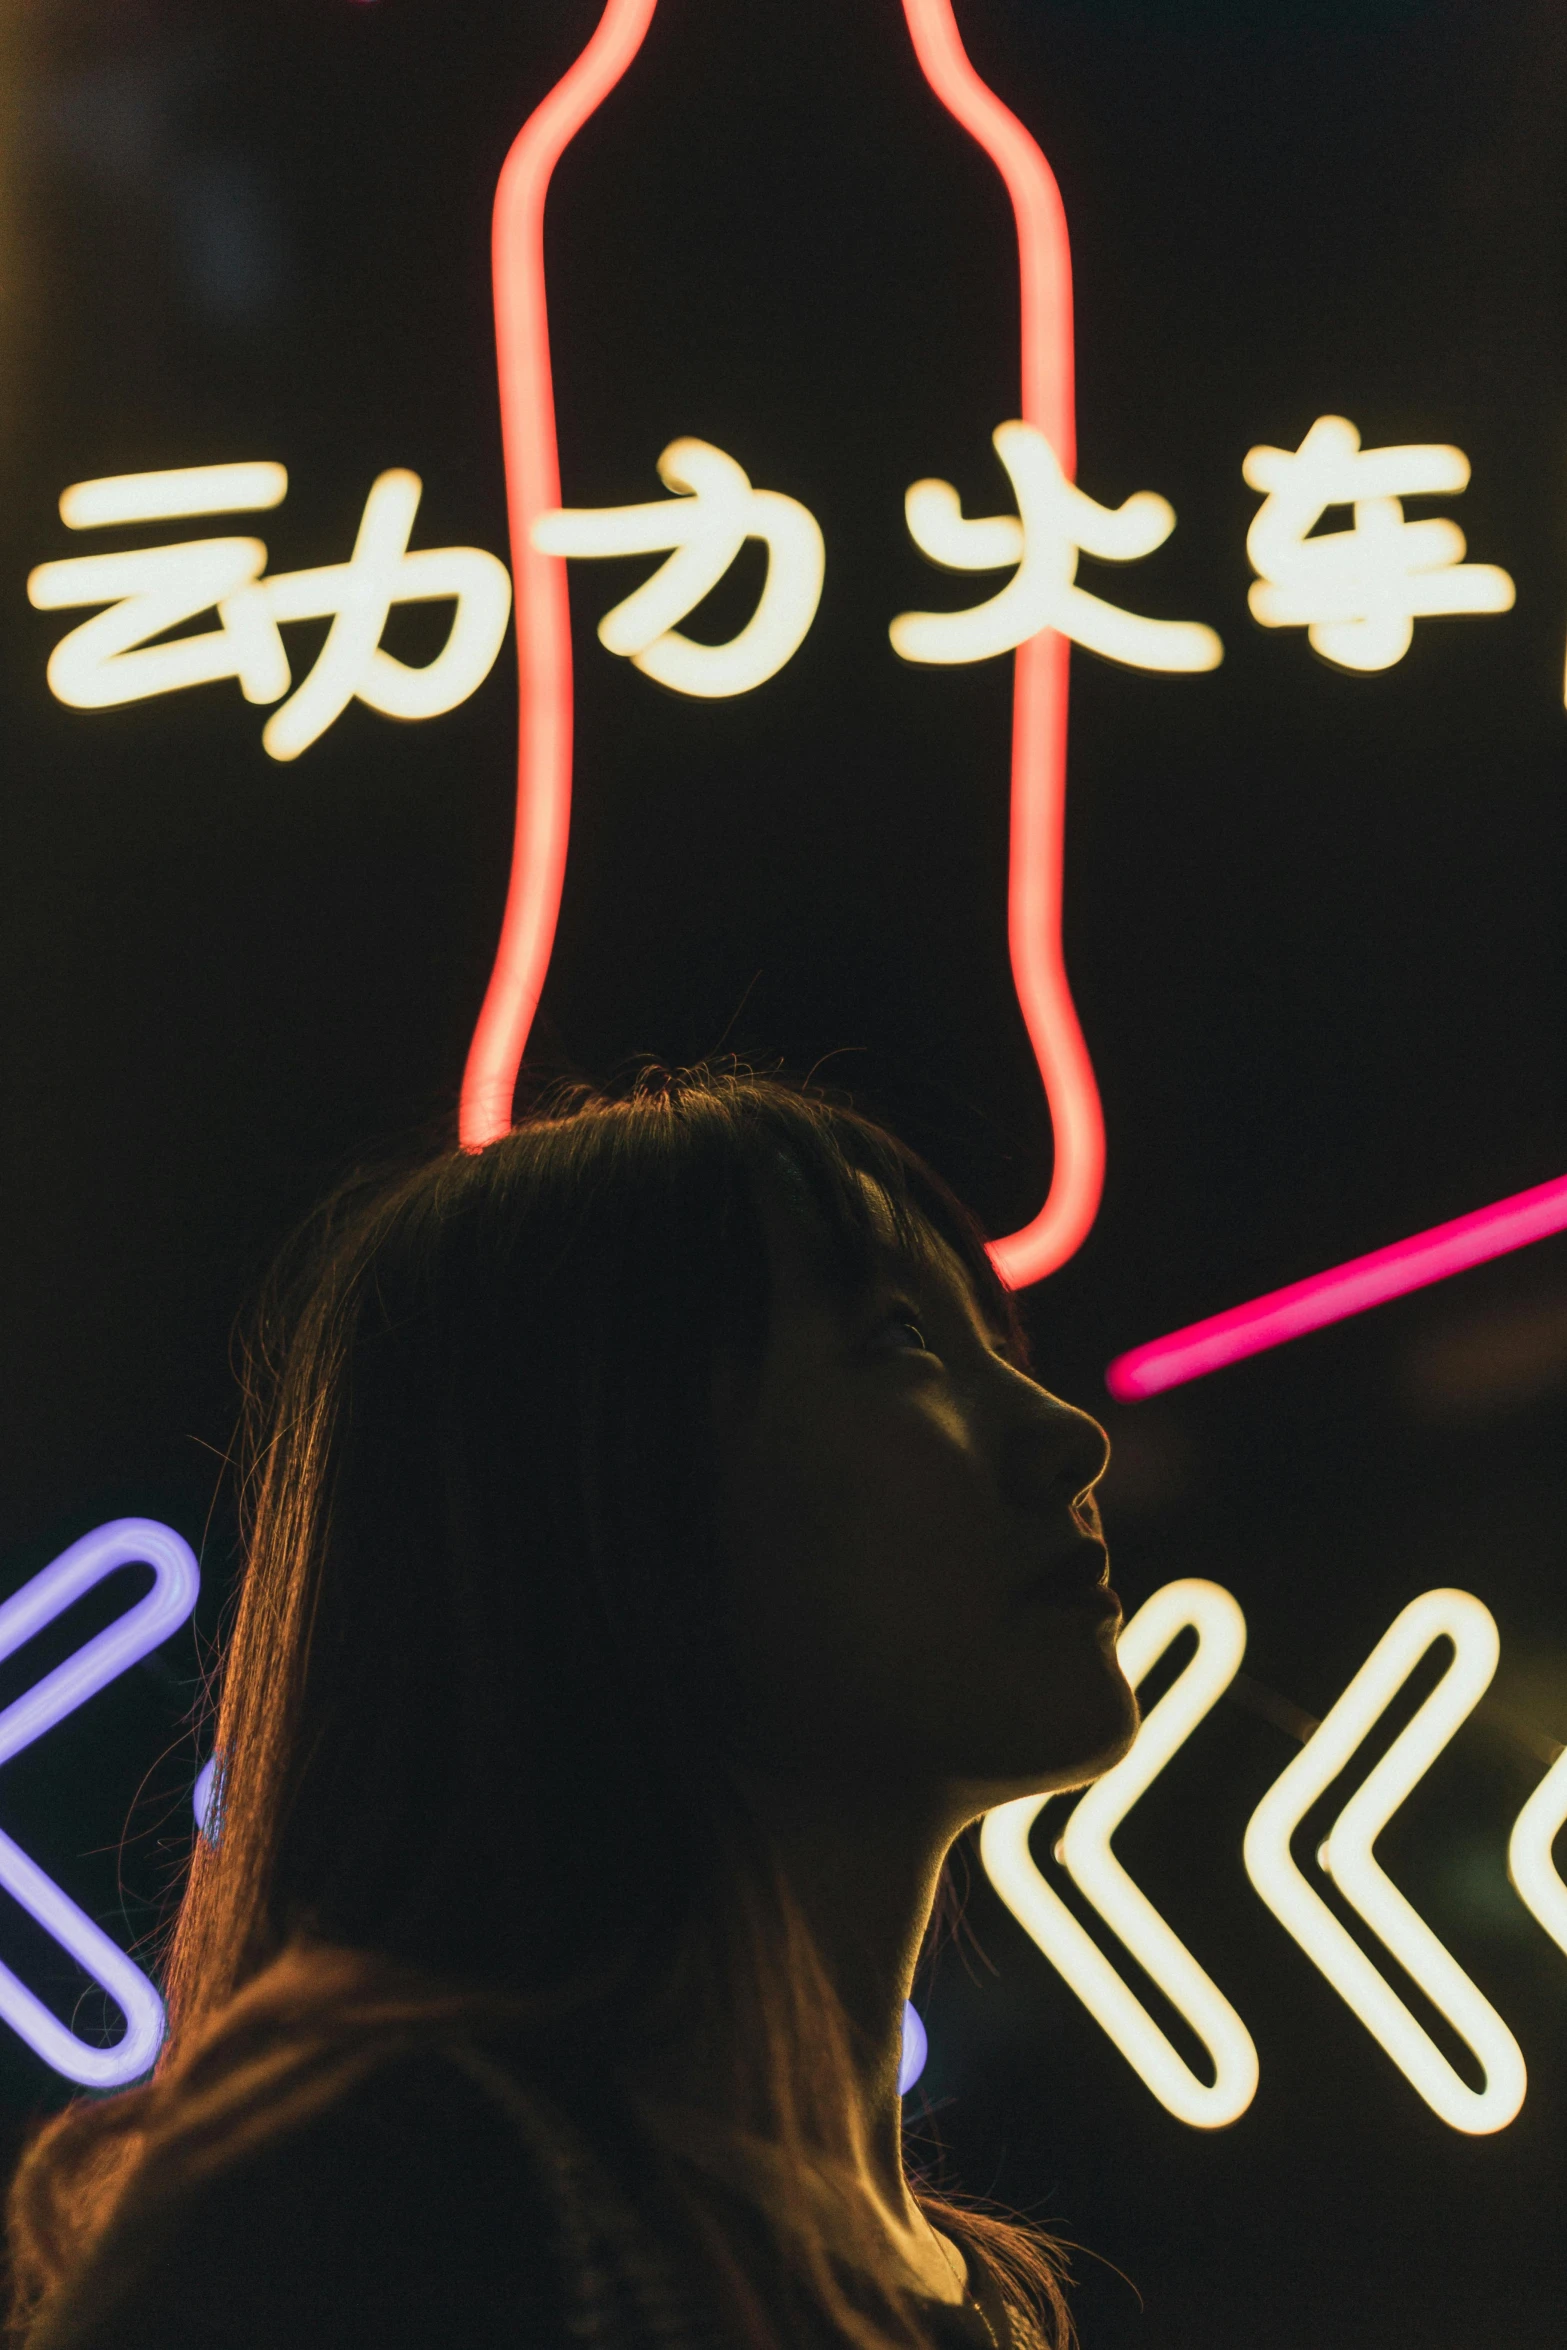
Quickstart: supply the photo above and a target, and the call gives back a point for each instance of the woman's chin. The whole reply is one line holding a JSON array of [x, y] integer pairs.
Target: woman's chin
[[1076, 1751]]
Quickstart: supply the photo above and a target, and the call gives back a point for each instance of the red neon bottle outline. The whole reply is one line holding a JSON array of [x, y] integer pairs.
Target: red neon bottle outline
[[1034, 888], [1039, 689], [543, 616]]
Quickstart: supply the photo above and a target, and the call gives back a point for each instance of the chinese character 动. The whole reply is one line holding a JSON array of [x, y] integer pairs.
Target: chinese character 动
[[108, 659]]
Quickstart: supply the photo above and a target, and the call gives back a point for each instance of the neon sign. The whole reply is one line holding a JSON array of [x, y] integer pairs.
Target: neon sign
[[176, 1581], [706, 528], [1367, 1281], [109, 660], [1346, 1857], [1084, 1850], [1534, 1874], [911, 2062], [208, 1820], [544, 756], [1054, 523], [1357, 593], [1085, 1853]]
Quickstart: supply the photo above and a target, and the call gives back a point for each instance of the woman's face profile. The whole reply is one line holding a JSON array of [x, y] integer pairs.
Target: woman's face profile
[[919, 1585]]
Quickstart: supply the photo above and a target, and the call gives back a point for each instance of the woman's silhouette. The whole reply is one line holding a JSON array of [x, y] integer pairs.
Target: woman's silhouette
[[659, 1551]]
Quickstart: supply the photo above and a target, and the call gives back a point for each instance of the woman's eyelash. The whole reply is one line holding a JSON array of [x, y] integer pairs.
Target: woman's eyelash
[[901, 1320]]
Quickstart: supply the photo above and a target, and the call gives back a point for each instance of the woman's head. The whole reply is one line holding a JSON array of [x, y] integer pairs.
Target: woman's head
[[672, 1457], [669, 1437]]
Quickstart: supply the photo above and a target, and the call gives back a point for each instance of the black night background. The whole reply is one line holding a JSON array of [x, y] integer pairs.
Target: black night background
[[1314, 920]]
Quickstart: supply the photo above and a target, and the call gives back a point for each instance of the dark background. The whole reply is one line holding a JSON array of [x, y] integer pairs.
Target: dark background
[[1313, 919]]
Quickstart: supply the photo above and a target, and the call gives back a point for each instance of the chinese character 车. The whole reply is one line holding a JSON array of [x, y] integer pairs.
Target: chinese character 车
[[1357, 593]]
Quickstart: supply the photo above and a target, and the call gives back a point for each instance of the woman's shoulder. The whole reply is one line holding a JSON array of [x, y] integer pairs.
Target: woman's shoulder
[[406, 2201]]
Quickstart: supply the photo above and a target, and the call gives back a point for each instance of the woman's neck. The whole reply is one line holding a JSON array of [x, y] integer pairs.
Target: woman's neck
[[863, 1863]]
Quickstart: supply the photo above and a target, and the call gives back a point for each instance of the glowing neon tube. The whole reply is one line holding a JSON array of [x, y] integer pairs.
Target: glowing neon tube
[[1039, 691], [163, 497], [201, 1800], [543, 618], [1054, 524], [544, 631], [1536, 1879], [705, 528], [916, 2048], [1084, 1851], [1333, 1296], [1348, 1858], [124, 1542]]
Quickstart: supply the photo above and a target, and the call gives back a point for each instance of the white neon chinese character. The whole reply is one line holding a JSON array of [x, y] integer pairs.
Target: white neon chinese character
[[1358, 592], [108, 660], [706, 529], [1054, 523]]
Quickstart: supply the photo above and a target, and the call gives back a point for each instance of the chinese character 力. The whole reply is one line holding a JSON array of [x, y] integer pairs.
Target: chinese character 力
[[1359, 592], [108, 659], [705, 529], [1054, 523]]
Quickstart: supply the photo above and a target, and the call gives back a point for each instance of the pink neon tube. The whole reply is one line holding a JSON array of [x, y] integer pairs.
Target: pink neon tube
[[544, 631], [1039, 694], [522, 339], [1347, 1289]]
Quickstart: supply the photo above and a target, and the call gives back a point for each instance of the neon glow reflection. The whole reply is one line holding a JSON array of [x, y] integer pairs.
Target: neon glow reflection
[[176, 1581]]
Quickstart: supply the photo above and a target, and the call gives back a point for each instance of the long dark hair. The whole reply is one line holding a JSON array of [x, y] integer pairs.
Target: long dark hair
[[473, 1716]]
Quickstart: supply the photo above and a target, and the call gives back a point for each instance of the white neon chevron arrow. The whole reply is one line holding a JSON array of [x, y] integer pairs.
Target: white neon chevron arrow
[[1350, 1861], [1213, 1614], [1535, 1876]]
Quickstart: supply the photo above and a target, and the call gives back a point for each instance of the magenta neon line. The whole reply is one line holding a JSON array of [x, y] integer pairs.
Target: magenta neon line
[[1333, 1296], [124, 1542]]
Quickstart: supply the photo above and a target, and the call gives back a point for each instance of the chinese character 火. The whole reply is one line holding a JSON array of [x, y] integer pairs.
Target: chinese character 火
[[1054, 523]]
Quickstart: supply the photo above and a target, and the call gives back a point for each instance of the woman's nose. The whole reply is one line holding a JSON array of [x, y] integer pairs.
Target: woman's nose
[[1052, 1453]]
